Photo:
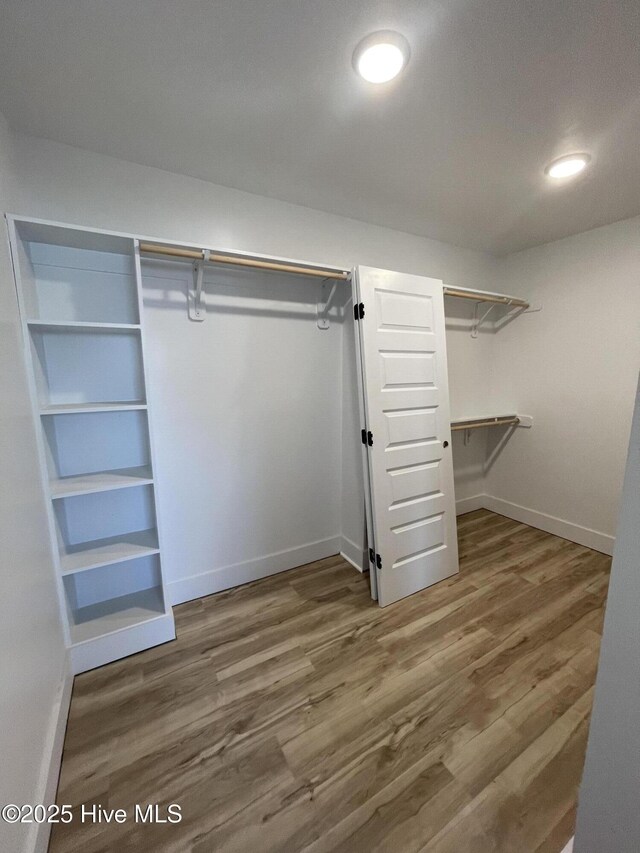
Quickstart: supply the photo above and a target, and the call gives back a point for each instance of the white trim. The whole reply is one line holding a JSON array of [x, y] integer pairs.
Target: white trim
[[569, 847], [227, 577], [38, 840], [558, 526], [352, 553], [470, 504]]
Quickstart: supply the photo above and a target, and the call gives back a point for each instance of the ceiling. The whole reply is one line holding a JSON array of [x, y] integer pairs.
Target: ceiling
[[261, 95]]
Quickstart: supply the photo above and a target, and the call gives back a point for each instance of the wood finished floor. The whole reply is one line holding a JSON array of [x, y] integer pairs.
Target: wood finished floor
[[293, 714]]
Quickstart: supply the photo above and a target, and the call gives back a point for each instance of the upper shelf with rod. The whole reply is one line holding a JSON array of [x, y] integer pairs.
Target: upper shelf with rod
[[493, 299], [200, 257], [509, 420], [245, 261], [485, 296]]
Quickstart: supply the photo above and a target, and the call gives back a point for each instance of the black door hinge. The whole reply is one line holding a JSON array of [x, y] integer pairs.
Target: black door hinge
[[372, 555], [378, 561], [370, 438], [363, 436], [358, 311]]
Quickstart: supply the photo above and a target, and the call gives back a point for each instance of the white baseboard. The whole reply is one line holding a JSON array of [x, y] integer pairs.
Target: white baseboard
[[353, 553], [470, 504], [559, 527], [121, 644], [226, 577], [51, 759]]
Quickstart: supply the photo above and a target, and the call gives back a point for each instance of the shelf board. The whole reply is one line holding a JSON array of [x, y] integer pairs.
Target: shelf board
[[483, 417], [100, 481], [80, 326], [106, 552], [115, 614], [80, 408]]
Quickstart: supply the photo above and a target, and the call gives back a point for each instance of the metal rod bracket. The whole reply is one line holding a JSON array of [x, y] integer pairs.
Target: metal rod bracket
[[324, 304], [195, 297], [477, 322]]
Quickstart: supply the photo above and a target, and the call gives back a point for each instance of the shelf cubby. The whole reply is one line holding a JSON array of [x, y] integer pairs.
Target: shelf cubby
[[79, 283], [104, 600], [105, 527], [108, 551], [96, 451], [87, 366]]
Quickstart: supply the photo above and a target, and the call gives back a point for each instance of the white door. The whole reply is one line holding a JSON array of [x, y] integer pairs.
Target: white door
[[406, 402], [368, 511]]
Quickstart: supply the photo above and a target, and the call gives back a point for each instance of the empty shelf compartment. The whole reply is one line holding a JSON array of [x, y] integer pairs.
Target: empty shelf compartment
[[111, 598], [91, 283], [90, 452], [105, 552], [105, 527], [81, 366]]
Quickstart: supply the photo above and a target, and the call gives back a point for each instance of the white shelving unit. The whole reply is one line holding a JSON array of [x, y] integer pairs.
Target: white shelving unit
[[81, 306]]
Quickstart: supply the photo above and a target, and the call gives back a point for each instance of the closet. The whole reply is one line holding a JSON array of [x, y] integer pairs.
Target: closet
[[256, 414]]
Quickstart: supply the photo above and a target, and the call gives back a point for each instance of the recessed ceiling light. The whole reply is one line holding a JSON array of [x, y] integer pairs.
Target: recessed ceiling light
[[381, 56], [568, 166]]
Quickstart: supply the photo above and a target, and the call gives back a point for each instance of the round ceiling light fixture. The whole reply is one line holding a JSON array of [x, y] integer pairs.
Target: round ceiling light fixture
[[567, 166], [381, 56]]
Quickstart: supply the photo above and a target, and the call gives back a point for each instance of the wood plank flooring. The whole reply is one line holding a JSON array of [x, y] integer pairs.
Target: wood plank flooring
[[294, 714]]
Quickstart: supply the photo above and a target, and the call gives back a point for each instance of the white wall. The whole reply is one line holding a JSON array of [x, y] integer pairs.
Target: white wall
[[608, 814], [70, 184], [246, 414], [574, 367], [33, 660]]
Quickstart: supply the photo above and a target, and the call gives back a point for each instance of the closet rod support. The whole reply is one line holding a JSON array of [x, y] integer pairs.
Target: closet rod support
[[195, 305], [477, 322], [324, 304]]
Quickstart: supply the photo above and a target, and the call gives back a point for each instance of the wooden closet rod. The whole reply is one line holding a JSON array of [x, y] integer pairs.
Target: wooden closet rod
[[485, 297], [198, 255], [486, 423]]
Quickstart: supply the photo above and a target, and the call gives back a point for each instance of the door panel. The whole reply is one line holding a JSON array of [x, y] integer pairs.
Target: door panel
[[406, 408]]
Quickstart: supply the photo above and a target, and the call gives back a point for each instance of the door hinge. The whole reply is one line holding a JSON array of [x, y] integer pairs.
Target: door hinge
[[363, 436], [372, 555], [358, 311], [378, 561], [370, 438]]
